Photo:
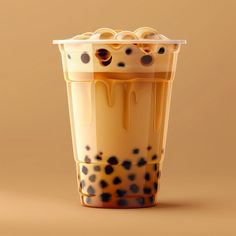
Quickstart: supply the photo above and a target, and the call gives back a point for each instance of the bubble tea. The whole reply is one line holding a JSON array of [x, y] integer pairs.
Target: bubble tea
[[119, 88]]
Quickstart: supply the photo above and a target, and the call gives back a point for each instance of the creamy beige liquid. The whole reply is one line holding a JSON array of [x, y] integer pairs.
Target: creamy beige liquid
[[119, 104], [115, 117]]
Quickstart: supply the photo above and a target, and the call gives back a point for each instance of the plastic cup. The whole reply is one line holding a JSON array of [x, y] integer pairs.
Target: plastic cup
[[119, 95]]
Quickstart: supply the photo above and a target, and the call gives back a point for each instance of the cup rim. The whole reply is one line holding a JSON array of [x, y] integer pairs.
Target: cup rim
[[115, 41]]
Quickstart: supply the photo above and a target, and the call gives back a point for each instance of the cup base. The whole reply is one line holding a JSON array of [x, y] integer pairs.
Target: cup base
[[140, 201]]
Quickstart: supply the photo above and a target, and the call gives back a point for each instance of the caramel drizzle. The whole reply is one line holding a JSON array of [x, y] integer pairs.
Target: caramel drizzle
[[158, 93], [130, 98], [129, 92]]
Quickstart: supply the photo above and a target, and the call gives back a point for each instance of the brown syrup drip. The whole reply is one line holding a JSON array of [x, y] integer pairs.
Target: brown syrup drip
[[130, 99]]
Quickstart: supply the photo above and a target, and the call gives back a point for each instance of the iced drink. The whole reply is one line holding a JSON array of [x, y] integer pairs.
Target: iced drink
[[119, 89]]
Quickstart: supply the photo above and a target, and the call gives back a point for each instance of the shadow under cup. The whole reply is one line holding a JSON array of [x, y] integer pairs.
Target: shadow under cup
[[119, 100]]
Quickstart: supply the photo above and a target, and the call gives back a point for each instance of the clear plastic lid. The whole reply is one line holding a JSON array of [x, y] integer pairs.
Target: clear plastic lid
[[143, 35], [115, 41]]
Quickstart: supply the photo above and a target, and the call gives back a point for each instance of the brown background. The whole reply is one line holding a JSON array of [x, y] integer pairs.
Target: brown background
[[38, 192]]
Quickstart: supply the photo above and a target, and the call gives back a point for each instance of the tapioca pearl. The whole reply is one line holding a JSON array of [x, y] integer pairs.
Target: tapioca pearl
[[109, 169], [85, 58], [135, 151], [98, 157], [132, 177], [154, 157], [155, 167], [122, 202], [100, 153], [126, 164], [126, 35], [87, 159], [113, 160], [82, 184], [146, 60], [146, 33], [134, 188], [117, 180], [152, 199], [158, 174], [91, 190], [68, 56], [141, 162], [155, 186], [96, 168], [149, 148], [106, 63], [87, 147], [147, 190], [88, 200], [121, 192], [105, 197], [103, 54], [103, 183], [85, 170], [146, 49], [103, 33], [128, 51], [92, 178], [140, 200], [121, 64], [161, 50], [147, 176]]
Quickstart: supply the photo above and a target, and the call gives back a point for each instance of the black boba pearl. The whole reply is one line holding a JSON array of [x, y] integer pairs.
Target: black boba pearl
[[155, 167], [152, 199], [108, 169], [126, 164], [158, 174], [92, 178], [135, 151], [103, 184], [161, 50], [154, 157], [106, 63], [140, 200], [155, 186], [128, 51], [88, 200], [91, 190], [113, 160], [102, 52], [97, 168], [69, 56], [121, 192], [82, 184], [85, 170], [141, 162], [146, 60], [122, 202], [85, 58], [105, 197], [147, 176], [134, 188], [100, 153], [87, 147], [99, 158], [149, 148], [116, 180], [121, 64], [147, 190], [131, 177], [87, 159]]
